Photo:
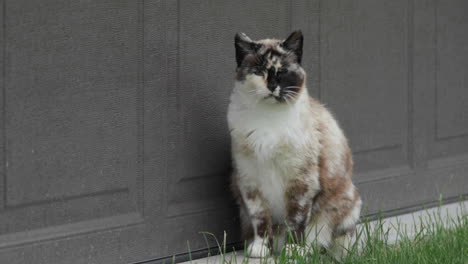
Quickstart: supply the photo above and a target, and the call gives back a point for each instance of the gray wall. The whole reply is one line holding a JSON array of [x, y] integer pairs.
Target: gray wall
[[113, 140]]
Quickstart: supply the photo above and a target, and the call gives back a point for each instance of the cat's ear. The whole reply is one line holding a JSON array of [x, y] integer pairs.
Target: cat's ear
[[244, 46], [294, 43]]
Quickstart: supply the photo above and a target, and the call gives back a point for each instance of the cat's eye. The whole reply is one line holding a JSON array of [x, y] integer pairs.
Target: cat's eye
[[282, 71], [258, 71]]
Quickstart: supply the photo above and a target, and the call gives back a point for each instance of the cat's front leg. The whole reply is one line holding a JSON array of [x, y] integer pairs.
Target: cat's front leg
[[260, 217], [299, 198]]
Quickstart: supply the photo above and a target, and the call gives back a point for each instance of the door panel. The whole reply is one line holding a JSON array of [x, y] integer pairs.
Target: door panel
[[71, 121], [364, 78], [451, 90], [70, 127]]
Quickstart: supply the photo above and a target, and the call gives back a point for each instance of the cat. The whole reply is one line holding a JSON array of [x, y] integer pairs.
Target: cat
[[292, 165]]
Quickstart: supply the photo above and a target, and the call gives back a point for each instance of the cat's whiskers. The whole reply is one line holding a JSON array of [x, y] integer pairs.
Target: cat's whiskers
[[292, 87], [291, 94], [290, 91], [286, 97]]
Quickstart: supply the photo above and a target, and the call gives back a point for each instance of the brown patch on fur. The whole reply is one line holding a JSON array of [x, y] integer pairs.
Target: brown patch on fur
[[356, 194], [253, 195], [246, 224], [234, 187], [264, 226], [296, 188], [307, 168], [338, 231], [295, 193], [332, 198], [245, 147], [348, 162], [263, 217], [341, 232]]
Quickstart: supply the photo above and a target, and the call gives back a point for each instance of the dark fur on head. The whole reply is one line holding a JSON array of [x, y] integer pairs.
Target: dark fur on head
[[277, 61]]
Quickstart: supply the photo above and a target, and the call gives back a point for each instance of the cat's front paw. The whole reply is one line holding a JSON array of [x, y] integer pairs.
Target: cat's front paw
[[258, 249], [295, 250]]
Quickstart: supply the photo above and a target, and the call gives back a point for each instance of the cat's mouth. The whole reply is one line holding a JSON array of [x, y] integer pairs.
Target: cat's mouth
[[277, 98], [287, 94]]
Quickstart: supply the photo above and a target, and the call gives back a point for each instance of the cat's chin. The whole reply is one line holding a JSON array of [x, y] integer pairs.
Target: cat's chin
[[272, 100]]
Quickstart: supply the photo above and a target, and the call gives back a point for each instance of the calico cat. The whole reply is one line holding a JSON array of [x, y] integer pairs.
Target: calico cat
[[292, 164]]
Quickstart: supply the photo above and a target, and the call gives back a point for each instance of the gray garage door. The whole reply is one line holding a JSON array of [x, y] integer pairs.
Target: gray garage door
[[113, 141]]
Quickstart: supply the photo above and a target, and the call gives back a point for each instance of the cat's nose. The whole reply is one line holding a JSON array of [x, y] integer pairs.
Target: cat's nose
[[272, 86]]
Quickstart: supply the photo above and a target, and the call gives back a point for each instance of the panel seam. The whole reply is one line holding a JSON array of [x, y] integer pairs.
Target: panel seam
[[436, 68], [410, 75], [4, 158], [140, 181], [319, 51]]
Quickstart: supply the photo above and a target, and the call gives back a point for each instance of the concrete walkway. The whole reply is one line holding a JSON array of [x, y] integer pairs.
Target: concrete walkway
[[406, 222]]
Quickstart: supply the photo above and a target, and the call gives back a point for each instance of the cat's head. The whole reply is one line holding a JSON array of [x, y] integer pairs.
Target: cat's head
[[270, 69]]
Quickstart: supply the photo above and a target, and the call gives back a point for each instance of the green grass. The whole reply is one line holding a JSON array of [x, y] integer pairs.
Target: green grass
[[431, 241]]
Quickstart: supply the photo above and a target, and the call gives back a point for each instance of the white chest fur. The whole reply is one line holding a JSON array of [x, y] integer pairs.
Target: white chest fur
[[272, 183], [275, 138]]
